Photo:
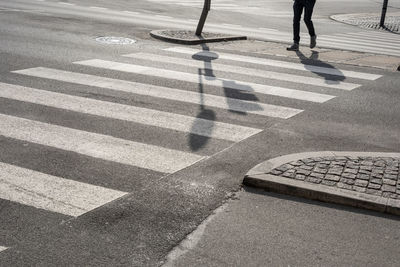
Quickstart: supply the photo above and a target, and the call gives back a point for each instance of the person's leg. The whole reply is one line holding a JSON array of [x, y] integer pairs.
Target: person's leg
[[297, 10], [308, 10]]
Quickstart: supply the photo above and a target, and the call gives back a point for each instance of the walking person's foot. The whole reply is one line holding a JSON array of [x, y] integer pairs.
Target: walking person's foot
[[313, 41], [293, 47]]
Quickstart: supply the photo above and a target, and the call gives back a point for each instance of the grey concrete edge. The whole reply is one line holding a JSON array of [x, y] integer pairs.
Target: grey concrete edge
[[258, 177], [158, 35]]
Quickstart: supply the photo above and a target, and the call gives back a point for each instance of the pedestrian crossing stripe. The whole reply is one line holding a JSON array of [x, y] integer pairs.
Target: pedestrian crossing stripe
[[370, 42], [384, 37], [52, 193], [182, 123], [164, 92], [358, 46], [209, 80], [351, 41], [276, 63], [97, 145], [330, 83]]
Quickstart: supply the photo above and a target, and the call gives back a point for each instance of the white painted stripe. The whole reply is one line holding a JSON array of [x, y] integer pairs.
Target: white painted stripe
[[145, 116], [131, 12], [65, 3], [368, 39], [376, 35], [232, 25], [164, 17], [97, 145], [268, 29], [358, 47], [2, 248], [227, 5], [247, 71], [358, 42], [209, 80], [276, 63], [52, 193], [100, 8], [164, 92]]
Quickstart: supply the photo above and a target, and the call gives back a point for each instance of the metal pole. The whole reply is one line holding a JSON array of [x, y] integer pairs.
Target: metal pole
[[384, 8], [200, 25]]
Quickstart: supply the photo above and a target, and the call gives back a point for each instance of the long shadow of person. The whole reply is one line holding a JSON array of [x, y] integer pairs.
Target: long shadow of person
[[313, 59]]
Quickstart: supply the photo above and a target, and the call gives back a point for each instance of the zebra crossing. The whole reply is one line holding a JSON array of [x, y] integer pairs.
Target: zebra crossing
[[369, 41], [199, 79], [254, 7]]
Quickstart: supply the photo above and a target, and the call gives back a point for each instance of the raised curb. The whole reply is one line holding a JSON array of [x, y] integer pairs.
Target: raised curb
[[258, 177], [194, 40]]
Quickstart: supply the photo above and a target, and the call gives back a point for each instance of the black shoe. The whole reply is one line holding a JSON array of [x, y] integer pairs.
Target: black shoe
[[293, 47], [313, 41]]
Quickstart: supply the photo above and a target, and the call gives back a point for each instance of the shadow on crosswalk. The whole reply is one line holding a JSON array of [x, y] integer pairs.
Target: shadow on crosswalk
[[314, 58], [197, 142]]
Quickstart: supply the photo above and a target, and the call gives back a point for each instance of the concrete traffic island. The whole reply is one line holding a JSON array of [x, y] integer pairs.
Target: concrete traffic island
[[358, 179], [190, 37]]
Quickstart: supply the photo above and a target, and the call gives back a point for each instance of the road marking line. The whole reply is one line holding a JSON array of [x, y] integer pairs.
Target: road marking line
[[67, 4], [100, 8], [268, 29], [208, 80], [164, 92], [97, 145], [359, 42], [52, 193], [358, 47], [370, 39], [164, 17], [232, 25], [131, 12], [276, 63], [248, 71], [2, 248], [144, 116], [378, 35]]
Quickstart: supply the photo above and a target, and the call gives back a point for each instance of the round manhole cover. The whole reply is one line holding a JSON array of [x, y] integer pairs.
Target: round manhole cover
[[115, 40]]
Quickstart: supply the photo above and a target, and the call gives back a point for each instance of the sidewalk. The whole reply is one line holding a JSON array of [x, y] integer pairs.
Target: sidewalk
[[259, 228]]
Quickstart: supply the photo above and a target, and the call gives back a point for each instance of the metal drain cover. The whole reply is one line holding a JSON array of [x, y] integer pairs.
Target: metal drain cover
[[115, 40]]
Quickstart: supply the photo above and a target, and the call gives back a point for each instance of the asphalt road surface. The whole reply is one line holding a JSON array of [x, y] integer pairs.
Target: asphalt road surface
[[112, 154]]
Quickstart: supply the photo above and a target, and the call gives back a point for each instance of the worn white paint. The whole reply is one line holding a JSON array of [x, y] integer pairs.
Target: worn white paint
[[248, 71], [97, 145], [164, 92], [208, 80], [52, 193], [277, 63], [144, 116]]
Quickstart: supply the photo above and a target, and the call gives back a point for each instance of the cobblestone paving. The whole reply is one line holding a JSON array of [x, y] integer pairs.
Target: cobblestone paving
[[370, 175], [392, 22], [183, 34]]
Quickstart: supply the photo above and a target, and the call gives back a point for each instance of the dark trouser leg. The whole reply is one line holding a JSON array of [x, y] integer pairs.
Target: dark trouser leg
[[308, 10], [297, 10]]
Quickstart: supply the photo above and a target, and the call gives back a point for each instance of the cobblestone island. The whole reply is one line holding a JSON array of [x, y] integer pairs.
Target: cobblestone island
[[370, 175]]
